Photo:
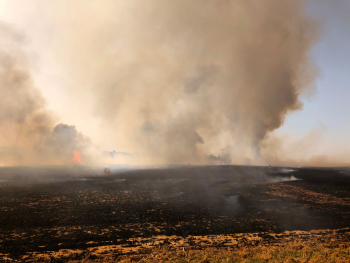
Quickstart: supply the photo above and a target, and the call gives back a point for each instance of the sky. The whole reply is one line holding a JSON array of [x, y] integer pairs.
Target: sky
[[324, 115], [328, 107], [329, 104]]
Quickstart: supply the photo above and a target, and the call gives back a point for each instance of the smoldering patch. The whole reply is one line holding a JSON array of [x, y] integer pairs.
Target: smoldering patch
[[286, 170], [282, 179], [83, 179], [115, 181], [345, 172], [232, 200], [278, 174], [282, 170]]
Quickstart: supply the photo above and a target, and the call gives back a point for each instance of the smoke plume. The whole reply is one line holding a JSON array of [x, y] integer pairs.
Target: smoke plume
[[180, 80], [174, 81], [28, 133]]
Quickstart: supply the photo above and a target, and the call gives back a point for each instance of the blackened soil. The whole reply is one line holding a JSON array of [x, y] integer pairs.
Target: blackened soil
[[76, 214]]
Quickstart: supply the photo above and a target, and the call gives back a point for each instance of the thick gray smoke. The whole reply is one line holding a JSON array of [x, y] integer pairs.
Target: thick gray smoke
[[180, 80], [174, 81], [28, 134]]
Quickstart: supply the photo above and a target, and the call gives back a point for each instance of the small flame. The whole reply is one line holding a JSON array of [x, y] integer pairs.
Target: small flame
[[76, 158]]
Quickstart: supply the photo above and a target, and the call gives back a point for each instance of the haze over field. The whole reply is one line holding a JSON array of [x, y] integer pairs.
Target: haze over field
[[159, 82]]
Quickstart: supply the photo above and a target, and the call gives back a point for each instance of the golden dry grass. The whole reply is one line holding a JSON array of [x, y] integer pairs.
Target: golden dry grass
[[288, 252], [289, 246]]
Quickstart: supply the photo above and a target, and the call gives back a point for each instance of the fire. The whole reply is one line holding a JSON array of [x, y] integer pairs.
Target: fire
[[76, 158]]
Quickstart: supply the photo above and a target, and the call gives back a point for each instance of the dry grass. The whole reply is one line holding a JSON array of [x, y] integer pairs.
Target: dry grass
[[289, 252], [290, 246], [298, 193]]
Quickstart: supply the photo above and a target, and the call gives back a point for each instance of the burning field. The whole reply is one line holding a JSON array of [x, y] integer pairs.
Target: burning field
[[132, 214], [99, 97]]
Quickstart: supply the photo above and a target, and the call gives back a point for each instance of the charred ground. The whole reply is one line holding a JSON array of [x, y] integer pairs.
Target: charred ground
[[88, 211]]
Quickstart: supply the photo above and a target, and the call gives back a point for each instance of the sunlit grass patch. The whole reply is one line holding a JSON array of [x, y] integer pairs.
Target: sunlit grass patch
[[285, 252]]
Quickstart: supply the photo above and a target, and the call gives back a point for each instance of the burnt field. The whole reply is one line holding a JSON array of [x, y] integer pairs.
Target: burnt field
[[143, 208]]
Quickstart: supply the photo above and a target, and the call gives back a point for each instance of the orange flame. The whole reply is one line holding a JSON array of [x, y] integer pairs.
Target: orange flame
[[76, 158]]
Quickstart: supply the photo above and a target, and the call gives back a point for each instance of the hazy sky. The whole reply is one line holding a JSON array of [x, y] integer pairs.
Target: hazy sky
[[329, 105], [325, 111], [328, 108]]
